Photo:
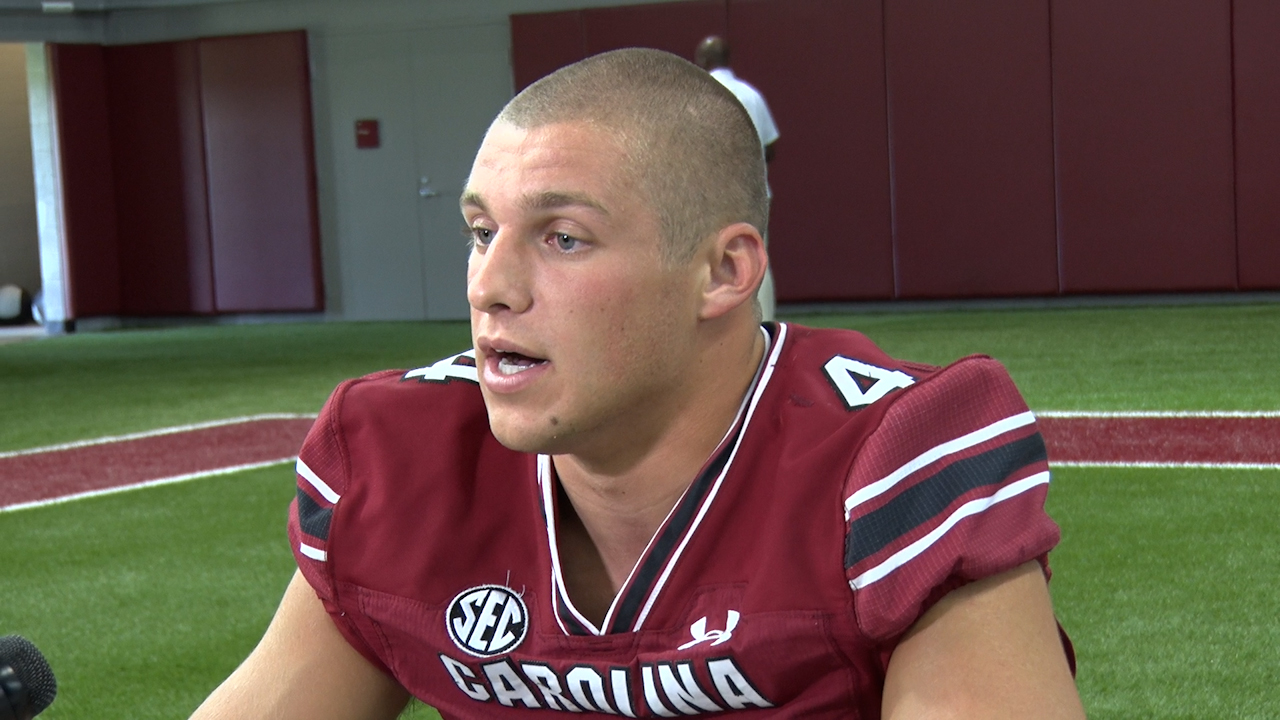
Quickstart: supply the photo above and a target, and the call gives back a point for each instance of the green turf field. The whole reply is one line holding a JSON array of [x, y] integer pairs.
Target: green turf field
[[95, 384], [143, 601]]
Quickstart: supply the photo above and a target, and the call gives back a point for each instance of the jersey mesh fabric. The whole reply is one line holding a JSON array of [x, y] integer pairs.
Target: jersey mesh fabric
[[964, 476], [784, 593]]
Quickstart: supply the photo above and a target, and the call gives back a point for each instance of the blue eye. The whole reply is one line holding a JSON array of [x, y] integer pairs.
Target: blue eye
[[481, 235], [565, 242]]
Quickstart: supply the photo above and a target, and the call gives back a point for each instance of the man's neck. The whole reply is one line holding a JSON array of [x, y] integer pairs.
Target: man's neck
[[613, 515]]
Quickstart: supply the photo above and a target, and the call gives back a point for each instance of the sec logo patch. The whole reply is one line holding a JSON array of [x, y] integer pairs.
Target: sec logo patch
[[488, 620]]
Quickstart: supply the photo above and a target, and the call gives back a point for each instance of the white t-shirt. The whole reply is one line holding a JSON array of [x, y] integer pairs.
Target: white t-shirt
[[753, 101]]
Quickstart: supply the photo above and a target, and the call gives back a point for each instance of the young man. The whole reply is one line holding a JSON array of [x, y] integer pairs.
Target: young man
[[631, 498]]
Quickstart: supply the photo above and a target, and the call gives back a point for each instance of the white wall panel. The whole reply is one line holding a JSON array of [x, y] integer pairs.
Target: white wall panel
[[374, 199], [452, 111]]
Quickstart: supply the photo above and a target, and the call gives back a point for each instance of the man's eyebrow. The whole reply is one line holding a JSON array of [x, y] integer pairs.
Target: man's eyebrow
[[552, 199], [472, 198]]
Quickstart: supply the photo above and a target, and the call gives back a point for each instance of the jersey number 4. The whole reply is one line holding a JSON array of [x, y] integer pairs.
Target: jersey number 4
[[859, 384], [457, 367]]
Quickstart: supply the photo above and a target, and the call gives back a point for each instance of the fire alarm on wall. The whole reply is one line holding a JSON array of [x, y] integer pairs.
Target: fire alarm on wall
[[367, 134]]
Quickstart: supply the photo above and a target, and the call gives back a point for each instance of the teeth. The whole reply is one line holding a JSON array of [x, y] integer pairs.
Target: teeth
[[508, 365]]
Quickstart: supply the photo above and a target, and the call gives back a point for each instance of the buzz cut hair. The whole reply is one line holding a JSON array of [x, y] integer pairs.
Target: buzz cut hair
[[692, 150]]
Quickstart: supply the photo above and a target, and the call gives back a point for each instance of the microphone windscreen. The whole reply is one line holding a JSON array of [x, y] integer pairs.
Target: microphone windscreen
[[31, 668]]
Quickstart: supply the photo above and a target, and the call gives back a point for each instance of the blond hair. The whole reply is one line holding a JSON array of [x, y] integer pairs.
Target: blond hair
[[692, 149]]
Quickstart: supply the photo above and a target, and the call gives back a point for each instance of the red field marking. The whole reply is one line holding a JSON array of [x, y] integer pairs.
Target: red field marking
[[113, 463], [49, 474], [1203, 439]]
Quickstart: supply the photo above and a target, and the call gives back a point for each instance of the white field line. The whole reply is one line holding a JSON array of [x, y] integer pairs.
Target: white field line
[[146, 484], [1158, 414], [1167, 465], [155, 433]]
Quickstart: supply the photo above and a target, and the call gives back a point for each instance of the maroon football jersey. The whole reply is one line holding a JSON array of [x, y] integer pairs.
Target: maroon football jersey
[[851, 493]]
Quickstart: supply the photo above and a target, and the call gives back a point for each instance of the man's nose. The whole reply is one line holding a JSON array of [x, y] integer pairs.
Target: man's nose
[[498, 276]]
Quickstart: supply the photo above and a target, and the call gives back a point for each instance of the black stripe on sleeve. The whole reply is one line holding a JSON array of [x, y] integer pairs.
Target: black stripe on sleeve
[[313, 518], [917, 504]]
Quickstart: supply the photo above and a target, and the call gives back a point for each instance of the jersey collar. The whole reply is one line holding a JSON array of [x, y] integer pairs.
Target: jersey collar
[[635, 600]]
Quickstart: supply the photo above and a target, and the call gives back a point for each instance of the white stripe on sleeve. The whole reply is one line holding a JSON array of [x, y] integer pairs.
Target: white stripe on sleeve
[[950, 447], [321, 486], [312, 552], [973, 507]]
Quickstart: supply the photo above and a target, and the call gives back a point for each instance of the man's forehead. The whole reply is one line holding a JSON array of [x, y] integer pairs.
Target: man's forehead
[[503, 138], [539, 200], [546, 167]]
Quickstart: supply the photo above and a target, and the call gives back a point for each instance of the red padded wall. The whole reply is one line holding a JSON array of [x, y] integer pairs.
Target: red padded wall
[[542, 43], [674, 27], [92, 262], [1143, 122], [158, 157], [820, 66], [1257, 97], [261, 172], [971, 139]]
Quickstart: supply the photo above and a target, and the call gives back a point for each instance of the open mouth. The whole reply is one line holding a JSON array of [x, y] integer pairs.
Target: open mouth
[[511, 363]]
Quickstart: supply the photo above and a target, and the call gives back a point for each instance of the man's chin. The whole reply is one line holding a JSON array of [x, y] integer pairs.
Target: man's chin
[[527, 437]]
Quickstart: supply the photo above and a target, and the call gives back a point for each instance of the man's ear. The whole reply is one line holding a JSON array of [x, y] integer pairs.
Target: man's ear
[[736, 263]]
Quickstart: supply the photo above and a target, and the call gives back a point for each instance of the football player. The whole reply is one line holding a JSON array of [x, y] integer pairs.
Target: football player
[[631, 498]]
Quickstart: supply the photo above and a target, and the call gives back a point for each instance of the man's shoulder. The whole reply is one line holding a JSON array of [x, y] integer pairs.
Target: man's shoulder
[[848, 364], [835, 348], [818, 339], [390, 454], [429, 423], [723, 74], [735, 84], [942, 470], [385, 419], [834, 380], [823, 392], [447, 390]]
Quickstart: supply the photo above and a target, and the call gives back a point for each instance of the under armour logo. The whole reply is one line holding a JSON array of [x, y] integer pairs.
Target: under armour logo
[[701, 634]]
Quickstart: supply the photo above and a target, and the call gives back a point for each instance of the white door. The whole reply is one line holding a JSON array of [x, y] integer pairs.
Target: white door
[[376, 256], [400, 253], [461, 79]]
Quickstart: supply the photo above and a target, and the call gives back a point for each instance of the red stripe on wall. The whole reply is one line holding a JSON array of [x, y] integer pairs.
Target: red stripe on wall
[[1142, 104], [972, 145], [674, 27], [158, 156], [542, 43], [92, 262], [1257, 117], [255, 94], [820, 66]]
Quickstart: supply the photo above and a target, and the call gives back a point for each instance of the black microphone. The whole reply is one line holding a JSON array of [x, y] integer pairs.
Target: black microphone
[[27, 686]]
